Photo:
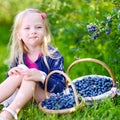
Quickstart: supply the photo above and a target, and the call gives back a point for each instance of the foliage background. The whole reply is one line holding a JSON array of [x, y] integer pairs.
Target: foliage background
[[68, 21]]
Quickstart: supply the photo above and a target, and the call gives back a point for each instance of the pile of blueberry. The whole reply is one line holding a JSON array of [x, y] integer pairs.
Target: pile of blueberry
[[87, 86], [60, 101], [92, 85]]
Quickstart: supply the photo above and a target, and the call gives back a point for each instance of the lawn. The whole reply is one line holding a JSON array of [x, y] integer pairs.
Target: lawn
[[106, 110]]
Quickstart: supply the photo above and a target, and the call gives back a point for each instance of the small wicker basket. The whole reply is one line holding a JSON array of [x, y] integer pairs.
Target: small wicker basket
[[111, 93], [66, 110]]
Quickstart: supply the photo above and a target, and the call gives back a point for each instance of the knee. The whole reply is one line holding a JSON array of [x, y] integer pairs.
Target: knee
[[30, 82], [16, 78], [19, 78]]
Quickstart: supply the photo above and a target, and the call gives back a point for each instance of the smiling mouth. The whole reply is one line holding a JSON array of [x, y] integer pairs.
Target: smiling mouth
[[34, 37]]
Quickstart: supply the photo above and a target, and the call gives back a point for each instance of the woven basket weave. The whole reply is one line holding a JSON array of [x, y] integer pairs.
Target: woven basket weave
[[67, 110], [111, 93]]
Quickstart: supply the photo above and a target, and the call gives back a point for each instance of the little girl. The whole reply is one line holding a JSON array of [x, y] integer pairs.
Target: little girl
[[31, 59]]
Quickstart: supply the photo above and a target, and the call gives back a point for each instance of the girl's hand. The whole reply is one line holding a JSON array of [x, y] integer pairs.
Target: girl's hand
[[15, 71], [34, 75]]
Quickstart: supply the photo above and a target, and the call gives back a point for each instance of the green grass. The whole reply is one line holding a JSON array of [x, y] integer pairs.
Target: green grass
[[107, 110]]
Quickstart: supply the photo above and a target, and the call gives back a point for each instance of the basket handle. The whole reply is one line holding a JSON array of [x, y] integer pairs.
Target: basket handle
[[67, 78], [96, 61]]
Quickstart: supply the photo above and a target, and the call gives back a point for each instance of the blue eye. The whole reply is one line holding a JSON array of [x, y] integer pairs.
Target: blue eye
[[26, 28], [39, 27]]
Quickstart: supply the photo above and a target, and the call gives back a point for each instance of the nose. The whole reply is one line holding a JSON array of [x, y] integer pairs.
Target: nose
[[33, 30]]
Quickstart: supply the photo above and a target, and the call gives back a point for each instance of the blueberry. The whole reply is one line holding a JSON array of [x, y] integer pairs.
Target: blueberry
[[95, 36], [119, 26], [87, 87], [108, 30], [91, 28]]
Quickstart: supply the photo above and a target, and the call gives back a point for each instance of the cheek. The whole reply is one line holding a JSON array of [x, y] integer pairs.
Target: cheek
[[41, 35], [22, 34], [43, 32]]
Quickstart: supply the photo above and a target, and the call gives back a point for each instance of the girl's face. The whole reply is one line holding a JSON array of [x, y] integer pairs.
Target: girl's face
[[32, 30]]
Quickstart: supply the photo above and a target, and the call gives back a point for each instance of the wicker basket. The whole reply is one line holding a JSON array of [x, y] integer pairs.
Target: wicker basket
[[90, 99], [66, 110]]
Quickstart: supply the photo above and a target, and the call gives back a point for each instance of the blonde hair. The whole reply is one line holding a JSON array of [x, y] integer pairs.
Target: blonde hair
[[17, 47]]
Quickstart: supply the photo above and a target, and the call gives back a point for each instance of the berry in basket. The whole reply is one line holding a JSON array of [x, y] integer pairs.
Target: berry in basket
[[64, 102], [92, 85], [60, 101]]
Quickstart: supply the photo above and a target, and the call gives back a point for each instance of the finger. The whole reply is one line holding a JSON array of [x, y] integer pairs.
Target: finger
[[28, 78], [14, 71], [10, 73]]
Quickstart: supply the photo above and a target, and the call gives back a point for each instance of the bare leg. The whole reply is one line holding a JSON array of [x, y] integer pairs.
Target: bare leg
[[26, 91], [9, 86], [39, 94]]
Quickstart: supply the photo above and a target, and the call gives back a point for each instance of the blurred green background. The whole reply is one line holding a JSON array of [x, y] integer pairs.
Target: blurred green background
[[69, 21], [80, 29]]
